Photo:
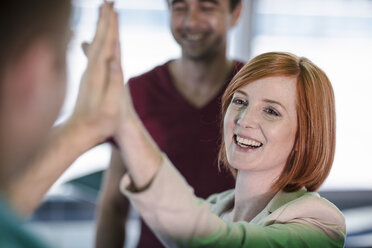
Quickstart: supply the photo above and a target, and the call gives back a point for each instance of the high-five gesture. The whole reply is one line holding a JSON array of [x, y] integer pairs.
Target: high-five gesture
[[98, 105], [94, 120]]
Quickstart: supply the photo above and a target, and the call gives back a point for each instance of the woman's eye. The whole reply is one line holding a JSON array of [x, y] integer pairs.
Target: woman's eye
[[239, 102], [271, 111]]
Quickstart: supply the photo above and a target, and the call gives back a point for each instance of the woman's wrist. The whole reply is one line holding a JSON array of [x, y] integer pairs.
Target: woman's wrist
[[142, 156], [128, 126]]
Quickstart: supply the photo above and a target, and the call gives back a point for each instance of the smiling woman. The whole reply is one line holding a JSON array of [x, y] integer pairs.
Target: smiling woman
[[279, 126], [303, 95]]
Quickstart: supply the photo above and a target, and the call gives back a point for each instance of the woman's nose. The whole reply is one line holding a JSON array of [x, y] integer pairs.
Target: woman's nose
[[248, 118]]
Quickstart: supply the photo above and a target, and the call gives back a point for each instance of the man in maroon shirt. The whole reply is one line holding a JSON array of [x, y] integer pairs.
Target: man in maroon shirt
[[179, 104]]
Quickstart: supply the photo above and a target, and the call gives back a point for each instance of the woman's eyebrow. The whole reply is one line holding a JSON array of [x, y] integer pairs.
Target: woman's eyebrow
[[264, 100], [241, 92], [274, 102]]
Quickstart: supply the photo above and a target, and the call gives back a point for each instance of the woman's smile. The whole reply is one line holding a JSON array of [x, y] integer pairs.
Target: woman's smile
[[245, 143]]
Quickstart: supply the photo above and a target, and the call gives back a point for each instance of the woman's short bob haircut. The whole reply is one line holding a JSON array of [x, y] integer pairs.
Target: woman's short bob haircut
[[310, 161]]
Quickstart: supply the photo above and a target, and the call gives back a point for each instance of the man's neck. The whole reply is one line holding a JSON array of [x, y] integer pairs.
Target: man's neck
[[200, 80]]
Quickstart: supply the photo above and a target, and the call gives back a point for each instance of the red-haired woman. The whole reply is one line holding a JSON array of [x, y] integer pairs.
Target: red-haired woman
[[278, 141]]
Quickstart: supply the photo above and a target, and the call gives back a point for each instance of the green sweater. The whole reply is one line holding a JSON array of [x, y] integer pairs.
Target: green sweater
[[12, 234]]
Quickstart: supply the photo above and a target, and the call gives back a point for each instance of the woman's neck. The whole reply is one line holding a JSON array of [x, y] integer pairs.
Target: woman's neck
[[252, 194]]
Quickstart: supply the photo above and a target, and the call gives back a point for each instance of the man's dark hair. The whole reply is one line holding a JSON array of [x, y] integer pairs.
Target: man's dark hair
[[234, 3], [23, 21]]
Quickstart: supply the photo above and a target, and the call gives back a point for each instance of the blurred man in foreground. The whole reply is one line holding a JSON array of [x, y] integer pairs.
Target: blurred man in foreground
[[34, 39]]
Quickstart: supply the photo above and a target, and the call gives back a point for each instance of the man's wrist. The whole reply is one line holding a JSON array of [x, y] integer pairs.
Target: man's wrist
[[77, 136]]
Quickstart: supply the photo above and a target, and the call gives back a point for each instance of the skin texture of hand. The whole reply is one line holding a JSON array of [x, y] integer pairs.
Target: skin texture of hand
[[99, 103], [95, 118]]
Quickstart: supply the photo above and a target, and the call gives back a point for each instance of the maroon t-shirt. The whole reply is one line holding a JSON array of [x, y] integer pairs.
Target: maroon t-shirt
[[190, 136]]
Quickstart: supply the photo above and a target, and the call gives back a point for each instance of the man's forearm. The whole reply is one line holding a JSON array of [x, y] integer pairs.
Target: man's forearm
[[26, 190], [113, 207], [111, 222]]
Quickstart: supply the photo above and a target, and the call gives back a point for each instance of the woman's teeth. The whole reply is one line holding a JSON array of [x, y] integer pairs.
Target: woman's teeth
[[246, 143]]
